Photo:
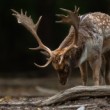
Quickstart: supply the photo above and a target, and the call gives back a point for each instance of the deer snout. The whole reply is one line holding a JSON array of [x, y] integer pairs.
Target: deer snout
[[63, 75]]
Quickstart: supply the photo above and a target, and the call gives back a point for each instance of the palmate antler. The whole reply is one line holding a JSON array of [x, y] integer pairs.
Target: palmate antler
[[28, 23], [72, 19]]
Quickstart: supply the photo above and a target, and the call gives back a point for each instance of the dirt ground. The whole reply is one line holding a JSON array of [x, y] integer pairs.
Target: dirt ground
[[24, 93]]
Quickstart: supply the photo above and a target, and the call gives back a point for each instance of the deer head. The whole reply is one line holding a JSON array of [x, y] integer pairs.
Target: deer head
[[60, 56]]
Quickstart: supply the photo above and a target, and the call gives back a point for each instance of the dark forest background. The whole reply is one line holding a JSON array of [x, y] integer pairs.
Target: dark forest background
[[15, 57]]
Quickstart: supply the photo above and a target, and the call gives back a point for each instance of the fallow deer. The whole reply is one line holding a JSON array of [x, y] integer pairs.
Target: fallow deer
[[83, 43]]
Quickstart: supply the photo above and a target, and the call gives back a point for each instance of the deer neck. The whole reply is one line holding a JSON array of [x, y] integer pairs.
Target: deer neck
[[80, 54]]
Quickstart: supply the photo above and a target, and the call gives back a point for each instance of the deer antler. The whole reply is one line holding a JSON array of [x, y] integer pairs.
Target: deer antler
[[71, 19], [28, 23]]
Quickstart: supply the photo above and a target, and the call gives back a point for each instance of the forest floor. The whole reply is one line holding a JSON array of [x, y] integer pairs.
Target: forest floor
[[24, 93]]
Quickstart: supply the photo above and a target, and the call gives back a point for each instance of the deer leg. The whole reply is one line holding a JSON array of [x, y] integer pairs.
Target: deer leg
[[107, 69], [96, 65], [106, 44], [107, 72], [102, 70], [83, 70]]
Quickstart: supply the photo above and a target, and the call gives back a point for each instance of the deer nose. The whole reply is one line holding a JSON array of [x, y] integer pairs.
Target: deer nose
[[62, 82], [63, 79]]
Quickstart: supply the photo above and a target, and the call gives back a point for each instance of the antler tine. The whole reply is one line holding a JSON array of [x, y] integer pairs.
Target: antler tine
[[14, 12], [64, 19], [45, 53], [76, 10], [37, 24], [21, 12], [65, 10], [71, 19], [45, 65], [28, 23], [25, 12]]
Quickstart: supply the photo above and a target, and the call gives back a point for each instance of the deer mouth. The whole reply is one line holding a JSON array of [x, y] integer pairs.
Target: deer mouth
[[63, 76], [62, 79]]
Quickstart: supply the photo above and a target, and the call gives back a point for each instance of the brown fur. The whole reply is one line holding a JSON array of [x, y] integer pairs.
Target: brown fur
[[88, 39]]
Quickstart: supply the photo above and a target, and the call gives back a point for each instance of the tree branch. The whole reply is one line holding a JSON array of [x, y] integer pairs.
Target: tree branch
[[77, 92]]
